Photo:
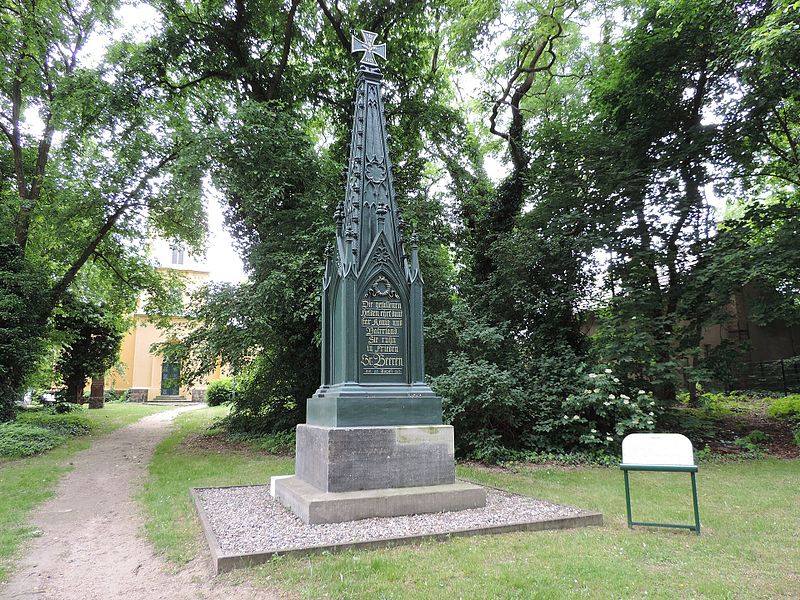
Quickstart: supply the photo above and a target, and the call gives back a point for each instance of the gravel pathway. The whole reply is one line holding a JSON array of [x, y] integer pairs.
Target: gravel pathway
[[247, 520]]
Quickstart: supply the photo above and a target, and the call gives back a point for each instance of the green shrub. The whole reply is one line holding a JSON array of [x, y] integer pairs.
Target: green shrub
[[24, 439], [219, 391], [602, 414], [576, 459], [751, 443], [63, 405], [67, 424], [282, 442], [796, 436], [758, 437], [786, 407], [695, 423], [718, 404], [487, 405], [258, 405]]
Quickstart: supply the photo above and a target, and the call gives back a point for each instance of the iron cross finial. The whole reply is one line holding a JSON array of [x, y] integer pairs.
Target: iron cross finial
[[368, 47]]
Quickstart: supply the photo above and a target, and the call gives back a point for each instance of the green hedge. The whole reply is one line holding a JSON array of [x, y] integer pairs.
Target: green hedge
[[116, 396], [786, 407]]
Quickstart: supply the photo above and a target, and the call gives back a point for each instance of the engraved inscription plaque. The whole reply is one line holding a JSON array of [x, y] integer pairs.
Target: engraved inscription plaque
[[382, 333]]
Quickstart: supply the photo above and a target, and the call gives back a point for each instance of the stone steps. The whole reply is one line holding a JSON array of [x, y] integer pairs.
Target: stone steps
[[170, 400]]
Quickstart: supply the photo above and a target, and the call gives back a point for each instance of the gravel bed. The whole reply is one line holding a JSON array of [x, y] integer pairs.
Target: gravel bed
[[247, 520]]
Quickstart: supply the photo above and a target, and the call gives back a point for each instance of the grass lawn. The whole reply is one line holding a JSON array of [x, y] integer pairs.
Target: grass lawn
[[748, 549], [172, 525], [27, 482]]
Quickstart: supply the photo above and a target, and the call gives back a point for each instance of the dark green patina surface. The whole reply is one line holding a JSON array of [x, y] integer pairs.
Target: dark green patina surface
[[363, 406], [372, 346]]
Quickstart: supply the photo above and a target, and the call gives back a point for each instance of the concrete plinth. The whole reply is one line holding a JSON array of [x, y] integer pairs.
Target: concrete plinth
[[345, 459], [314, 506], [350, 473]]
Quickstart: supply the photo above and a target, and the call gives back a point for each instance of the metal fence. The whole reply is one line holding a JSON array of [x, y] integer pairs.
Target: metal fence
[[776, 375]]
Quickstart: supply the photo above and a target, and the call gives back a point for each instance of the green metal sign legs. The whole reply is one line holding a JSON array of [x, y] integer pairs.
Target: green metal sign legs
[[692, 470]]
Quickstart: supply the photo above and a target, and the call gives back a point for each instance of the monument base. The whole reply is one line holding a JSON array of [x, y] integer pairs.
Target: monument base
[[347, 459], [351, 473], [316, 507], [342, 405]]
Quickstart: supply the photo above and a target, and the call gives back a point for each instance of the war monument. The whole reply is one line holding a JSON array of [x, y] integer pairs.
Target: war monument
[[373, 443]]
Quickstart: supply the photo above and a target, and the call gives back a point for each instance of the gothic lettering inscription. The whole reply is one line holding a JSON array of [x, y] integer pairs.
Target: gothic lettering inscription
[[381, 320]]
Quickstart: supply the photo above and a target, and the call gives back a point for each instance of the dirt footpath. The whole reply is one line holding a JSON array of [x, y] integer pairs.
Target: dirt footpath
[[91, 547]]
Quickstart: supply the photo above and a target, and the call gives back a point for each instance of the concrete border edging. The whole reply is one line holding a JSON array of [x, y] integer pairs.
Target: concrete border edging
[[223, 562]]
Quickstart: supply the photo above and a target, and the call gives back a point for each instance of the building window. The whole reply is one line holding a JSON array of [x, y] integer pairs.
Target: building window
[[177, 255]]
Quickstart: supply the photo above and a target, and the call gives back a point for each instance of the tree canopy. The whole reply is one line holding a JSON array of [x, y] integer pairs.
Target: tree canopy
[[565, 163], [95, 158]]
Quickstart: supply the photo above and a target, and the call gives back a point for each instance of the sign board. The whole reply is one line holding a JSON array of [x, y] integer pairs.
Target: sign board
[[666, 452], [657, 449]]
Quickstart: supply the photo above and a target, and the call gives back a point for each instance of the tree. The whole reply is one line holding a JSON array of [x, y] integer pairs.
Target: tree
[[21, 342], [651, 99], [110, 164], [691, 98], [616, 159], [92, 338]]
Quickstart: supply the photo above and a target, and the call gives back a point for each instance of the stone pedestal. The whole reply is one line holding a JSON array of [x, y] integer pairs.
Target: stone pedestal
[[350, 473], [97, 393]]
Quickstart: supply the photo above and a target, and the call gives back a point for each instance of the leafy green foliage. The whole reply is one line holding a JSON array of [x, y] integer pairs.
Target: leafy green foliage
[[261, 405], [106, 162], [219, 391], [696, 424], [23, 439], [786, 407], [92, 339], [63, 424], [280, 443], [603, 413], [267, 166], [483, 397], [503, 403], [110, 395], [752, 443], [22, 336], [36, 431], [758, 437], [485, 403], [639, 348], [759, 247]]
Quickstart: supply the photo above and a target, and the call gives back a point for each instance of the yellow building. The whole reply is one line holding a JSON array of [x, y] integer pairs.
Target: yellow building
[[145, 374]]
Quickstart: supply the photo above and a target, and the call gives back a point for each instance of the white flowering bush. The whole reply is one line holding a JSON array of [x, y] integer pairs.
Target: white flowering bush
[[604, 412]]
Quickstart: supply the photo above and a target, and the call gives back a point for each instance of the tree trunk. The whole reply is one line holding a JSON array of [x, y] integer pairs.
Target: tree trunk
[[693, 395], [97, 393], [75, 387]]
